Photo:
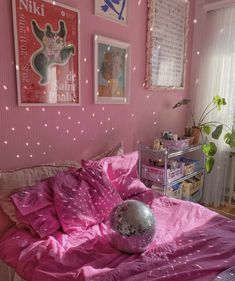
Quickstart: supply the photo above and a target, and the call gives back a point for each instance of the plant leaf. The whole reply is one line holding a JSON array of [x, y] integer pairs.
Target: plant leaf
[[209, 149], [209, 164], [218, 101], [229, 139], [206, 129], [217, 132]]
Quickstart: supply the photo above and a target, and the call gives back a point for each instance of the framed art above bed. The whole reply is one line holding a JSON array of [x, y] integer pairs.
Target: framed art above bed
[[166, 44], [111, 71], [46, 36]]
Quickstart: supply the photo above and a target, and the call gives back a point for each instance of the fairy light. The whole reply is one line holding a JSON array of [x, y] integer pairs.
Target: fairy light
[[69, 117], [198, 53], [53, 2], [109, 119], [132, 115], [134, 68], [195, 21], [82, 131], [85, 59], [93, 114], [13, 129], [44, 153], [74, 139], [147, 96], [155, 123], [112, 129], [154, 113], [30, 155], [50, 146], [83, 109], [27, 109], [6, 142], [45, 125], [78, 122], [106, 131], [43, 109], [102, 108], [27, 144], [139, 3], [38, 143], [5, 87], [126, 56], [57, 127], [86, 81], [17, 67], [17, 156], [96, 37], [98, 70], [58, 112], [6, 107], [67, 131], [143, 84], [101, 123], [28, 127]]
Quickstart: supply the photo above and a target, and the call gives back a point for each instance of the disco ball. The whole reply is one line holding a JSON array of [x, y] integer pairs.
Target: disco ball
[[131, 226]]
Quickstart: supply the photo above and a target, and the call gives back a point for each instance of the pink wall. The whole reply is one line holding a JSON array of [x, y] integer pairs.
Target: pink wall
[[35, 138]]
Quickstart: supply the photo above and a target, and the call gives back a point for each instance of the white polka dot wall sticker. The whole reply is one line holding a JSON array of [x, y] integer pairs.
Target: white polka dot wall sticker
[[4, 87]]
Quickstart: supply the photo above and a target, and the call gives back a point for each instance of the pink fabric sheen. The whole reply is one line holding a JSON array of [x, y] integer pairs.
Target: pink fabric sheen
[[121, 171], [81, 199], [192, 244]]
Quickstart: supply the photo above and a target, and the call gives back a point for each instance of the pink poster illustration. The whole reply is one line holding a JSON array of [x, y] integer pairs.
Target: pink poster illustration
[[47, 52]]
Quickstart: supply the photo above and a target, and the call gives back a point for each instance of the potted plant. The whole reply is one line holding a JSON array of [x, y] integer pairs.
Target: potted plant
[[209, 128]]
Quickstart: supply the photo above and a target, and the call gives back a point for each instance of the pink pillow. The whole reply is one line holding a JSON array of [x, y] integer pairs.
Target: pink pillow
[[121, 171], [82, 200], [34, 208]]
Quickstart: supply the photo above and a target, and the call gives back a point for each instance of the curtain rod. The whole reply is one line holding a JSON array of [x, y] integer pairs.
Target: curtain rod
[[218, 5]]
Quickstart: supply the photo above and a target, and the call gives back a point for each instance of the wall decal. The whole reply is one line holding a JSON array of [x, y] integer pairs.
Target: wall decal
[[47, 52]]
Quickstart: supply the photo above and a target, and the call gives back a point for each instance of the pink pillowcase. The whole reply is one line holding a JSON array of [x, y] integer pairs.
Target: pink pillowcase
[[34, 208], [121, 171], [82, 200]]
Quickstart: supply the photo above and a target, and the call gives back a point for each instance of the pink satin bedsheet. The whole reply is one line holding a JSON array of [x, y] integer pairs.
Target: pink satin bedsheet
[[192, 244]]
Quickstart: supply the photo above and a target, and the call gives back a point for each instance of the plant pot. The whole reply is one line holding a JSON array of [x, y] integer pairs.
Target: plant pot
[[196, 132]]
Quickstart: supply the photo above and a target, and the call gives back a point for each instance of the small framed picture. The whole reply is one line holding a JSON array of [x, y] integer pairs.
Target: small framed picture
[[47, 51], [111, 71], [114, 10]]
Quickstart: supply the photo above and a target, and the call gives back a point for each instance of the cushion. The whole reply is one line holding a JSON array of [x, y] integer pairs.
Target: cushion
[[114, 151], [35, 208], [121, 171], [13, 181]]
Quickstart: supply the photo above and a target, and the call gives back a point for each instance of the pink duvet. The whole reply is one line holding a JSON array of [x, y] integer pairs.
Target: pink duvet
[[192, 243]]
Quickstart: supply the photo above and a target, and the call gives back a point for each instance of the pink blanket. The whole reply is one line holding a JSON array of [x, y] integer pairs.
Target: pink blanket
[[192, 243]]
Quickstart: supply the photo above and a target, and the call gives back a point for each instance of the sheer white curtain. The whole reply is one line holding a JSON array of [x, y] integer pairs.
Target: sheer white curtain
[[216, 76]]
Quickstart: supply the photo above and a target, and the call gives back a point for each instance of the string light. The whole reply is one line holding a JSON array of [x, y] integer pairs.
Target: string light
[[83, 109], [43, 109], [30, 155], [86, 81], [27, 109], [28, 127], [6, 107], [45, 124], [5, 142], [139, 3], [27, 144], [85, 59], [17, 156], [134, 68], [59, 112], [195, 20], [4, 87], [38, 143], [13, 129], [57, 127]]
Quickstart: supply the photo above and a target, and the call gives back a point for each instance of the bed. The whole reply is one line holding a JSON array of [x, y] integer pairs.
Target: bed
[[61, 229]]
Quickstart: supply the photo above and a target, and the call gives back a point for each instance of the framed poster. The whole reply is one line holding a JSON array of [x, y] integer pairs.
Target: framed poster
[[115, 10], [111, 71], [166, 44], [46, 36]]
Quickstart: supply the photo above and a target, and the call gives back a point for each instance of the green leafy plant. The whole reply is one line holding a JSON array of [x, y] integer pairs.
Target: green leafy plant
[[212, 128]]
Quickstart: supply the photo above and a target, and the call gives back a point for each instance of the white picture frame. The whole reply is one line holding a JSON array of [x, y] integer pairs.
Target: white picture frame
[[111, 71], [116, 11], [167, 31]]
